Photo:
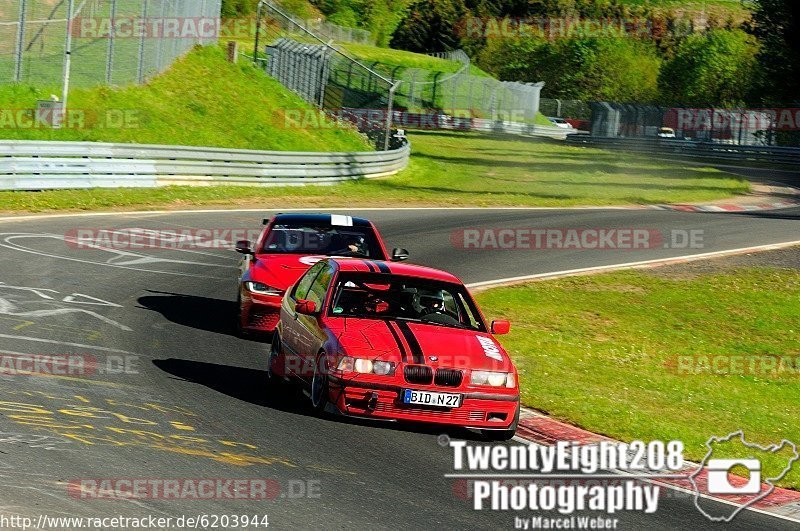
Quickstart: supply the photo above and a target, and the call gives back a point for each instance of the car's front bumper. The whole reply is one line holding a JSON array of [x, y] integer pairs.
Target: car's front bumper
[[260, 313], [480, 409]]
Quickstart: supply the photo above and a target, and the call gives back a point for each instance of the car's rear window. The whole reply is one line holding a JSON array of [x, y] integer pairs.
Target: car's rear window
[[327, 240]]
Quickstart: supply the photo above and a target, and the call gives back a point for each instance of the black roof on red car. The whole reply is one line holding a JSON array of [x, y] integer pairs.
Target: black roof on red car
[[319, 219]]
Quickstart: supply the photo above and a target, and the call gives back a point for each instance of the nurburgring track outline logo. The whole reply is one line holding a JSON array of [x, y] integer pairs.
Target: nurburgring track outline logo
[[774, 448]]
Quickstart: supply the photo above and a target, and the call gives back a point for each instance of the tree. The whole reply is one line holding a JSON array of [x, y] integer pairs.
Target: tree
[[379, 17], [716, 68], [431, 26], [776, 23], [583, 68]]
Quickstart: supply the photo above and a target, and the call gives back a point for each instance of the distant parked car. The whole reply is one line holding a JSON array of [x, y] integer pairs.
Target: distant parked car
[[666, 132], [560, 122], [580, 125]]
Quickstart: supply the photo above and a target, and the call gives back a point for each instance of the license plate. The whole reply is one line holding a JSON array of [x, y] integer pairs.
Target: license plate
[[428, 398]]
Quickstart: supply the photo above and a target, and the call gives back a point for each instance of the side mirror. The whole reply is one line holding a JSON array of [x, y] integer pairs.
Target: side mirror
[[243, 247], [304, 307], [500, 328], [399, 255]]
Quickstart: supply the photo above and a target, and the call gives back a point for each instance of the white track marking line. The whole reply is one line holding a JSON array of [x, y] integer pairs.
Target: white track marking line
[[278, 209], [629, 265], [8, 236], [64, 343]]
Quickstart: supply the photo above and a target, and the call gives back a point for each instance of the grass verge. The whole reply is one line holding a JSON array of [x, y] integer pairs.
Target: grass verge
[[631, 354], [447, 169]]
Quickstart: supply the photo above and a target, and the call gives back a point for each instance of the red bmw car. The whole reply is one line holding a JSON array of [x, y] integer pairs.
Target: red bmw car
[[395, 342], [286, 248]]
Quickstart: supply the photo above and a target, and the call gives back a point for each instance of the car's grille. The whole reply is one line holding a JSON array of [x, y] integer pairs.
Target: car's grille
[[448, 377], [455, 414], [418, 374]]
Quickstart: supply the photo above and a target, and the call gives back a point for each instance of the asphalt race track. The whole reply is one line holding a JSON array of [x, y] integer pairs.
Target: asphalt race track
[[192, 403]]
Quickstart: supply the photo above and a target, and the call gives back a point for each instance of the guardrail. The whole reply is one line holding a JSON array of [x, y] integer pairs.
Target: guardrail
[[35, 165], [445, 122], [694, 149], [523, 129]]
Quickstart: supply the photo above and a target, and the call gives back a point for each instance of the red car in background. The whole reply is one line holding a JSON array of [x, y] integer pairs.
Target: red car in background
[[287, 247], [395, 342]]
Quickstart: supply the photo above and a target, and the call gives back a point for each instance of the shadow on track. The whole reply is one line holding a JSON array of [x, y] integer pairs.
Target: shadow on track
[[212, 315], [784, 213], [250, 385]]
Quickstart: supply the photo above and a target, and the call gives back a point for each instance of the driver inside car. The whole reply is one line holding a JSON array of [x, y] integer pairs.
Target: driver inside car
[[431, 304], [357, 245]]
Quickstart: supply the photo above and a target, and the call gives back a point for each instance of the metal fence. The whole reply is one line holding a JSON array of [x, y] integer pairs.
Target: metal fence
[[34, 165], [111, 41], [462, 94], [687, 149], [323, 74], [466, 95], [568, 109], [739, 127]]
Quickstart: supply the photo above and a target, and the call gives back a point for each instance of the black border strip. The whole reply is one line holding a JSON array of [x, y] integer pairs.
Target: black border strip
[[413, 344], [400, 345]]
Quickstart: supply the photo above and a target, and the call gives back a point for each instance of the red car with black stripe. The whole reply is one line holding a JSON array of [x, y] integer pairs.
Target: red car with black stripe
[[395, 342], [287, 247]]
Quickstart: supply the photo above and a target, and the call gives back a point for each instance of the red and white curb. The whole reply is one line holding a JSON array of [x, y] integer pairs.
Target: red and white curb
[[760, 207], [540, 429], [774, 197]]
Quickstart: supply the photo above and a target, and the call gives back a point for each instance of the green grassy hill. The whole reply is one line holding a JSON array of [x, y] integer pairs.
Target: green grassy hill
[[389, 58], [201, 101]]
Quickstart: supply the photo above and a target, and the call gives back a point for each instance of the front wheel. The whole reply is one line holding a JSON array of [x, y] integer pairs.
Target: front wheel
[[241, 331], [319, 384], [274, 353]]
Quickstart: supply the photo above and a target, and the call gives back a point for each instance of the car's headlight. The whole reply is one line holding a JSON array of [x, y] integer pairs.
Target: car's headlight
[[364, 366], [493, 379], [384, 368], [262, 289]]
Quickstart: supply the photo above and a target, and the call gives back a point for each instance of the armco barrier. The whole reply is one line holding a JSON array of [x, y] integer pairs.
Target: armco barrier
[[34, 165], [412, 121], [693, 149]]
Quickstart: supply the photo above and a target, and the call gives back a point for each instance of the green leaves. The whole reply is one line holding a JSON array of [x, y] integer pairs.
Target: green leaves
[[715, 68], [584, 68]]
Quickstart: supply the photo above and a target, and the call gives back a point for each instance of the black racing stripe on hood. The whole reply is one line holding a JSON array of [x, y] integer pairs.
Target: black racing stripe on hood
[[383, 267], [403, 352], [371, 266], [413, 344]]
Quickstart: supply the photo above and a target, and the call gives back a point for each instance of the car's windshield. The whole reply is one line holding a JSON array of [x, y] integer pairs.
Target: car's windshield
[[378, 296], [323, 240]]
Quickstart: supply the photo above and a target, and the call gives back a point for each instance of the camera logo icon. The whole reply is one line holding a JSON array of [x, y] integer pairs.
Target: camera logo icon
[[718, 482]]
